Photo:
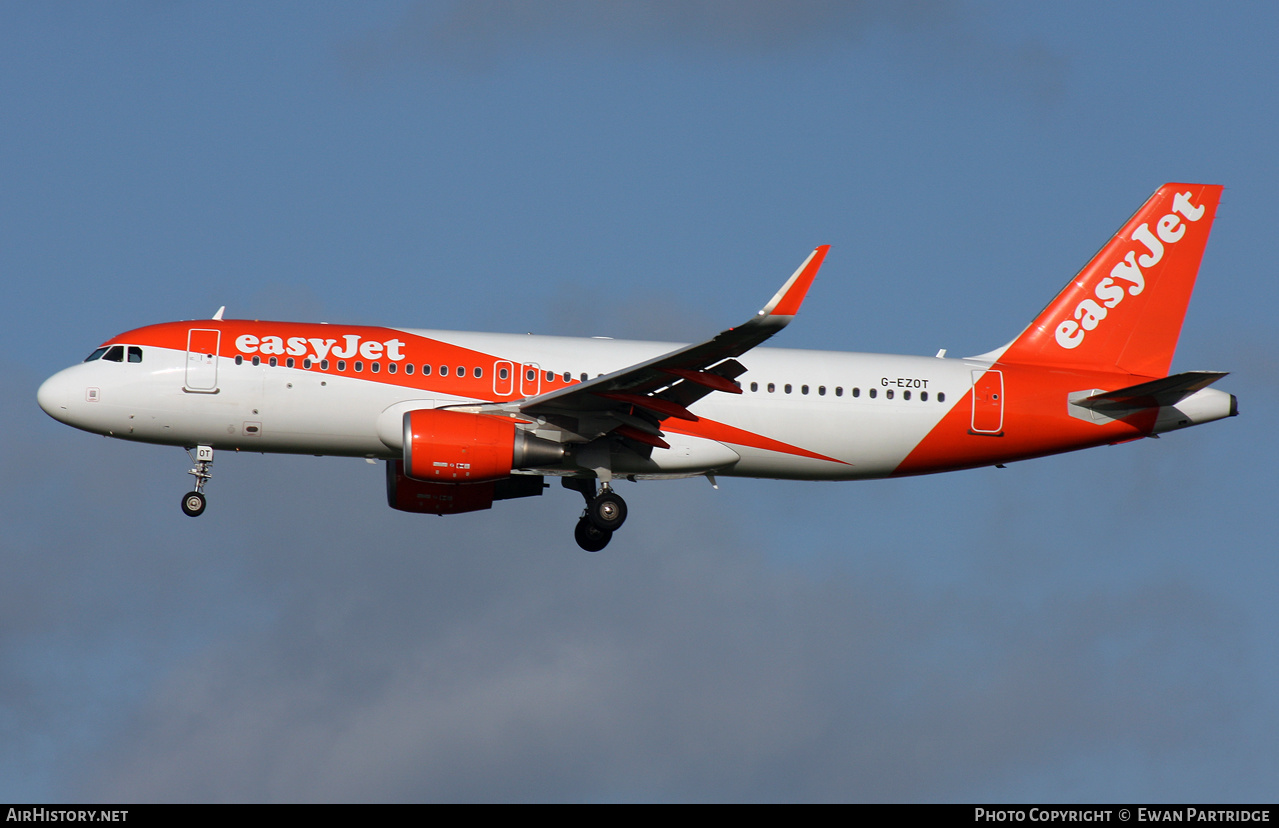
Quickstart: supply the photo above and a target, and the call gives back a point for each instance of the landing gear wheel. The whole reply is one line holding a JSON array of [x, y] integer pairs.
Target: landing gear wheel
[[607, 511], [590, 537], [193, 504]]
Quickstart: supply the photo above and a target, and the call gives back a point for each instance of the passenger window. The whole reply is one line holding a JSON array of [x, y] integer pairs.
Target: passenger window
[[359, 365], [754, 386], [306, 363], [135, 353], [839, 390], [803, 389], [857, 392], [274, 362], [583, 376], [941, 396], [115, 354], [341, 364], [461, 370], [771, 388], [391, 367], [821, 390], [873, 393], [324, 365], [257, 360], [375, 367], [408, 367], [97, 354], [787, 388], [426, 370], [568, 377], [239, 360], [444, 370], [478, 373], [550, 376], [889, 393], [530, 375], [502, 373], [289, 362], [923, 396]]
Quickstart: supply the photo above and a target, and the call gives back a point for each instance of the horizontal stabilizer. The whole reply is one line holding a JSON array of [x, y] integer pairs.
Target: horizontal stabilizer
[[1153, 394]]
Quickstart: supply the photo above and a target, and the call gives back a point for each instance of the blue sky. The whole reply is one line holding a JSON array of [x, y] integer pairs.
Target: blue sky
[[1097, 626]]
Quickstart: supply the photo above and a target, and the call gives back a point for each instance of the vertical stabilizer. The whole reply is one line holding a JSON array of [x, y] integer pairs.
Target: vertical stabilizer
[[1124, 310]]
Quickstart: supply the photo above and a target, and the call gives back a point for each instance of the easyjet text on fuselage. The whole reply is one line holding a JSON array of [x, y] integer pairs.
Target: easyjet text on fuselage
[[317, 349]]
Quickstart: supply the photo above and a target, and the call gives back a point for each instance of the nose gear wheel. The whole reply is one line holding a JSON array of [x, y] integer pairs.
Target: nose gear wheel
[[193, 503]]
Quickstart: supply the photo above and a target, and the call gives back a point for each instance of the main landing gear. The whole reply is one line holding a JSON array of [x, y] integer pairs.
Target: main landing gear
[[605, 513], [193, 503]]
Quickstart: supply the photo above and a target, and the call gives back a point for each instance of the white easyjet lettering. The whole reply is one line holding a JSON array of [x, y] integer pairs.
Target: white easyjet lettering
[[1129, 272], [353, 344], [1169, 230], [1089, 314], [1109, 293], [271, 345], [1181, 204], [322, 347], [1143, 235]]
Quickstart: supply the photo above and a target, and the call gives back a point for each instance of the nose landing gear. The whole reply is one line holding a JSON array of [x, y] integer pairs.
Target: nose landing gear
[[193, 503]]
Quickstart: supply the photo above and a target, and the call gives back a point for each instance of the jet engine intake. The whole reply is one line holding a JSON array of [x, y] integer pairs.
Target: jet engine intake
[[458, 447]]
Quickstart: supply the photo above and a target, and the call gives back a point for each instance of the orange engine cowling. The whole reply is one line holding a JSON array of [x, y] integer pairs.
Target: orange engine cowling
[[442, 446]]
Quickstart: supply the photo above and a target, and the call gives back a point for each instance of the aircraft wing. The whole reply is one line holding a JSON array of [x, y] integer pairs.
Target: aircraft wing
[[634, 401]]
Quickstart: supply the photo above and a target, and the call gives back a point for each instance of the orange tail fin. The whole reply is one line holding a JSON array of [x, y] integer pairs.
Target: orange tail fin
[[1124, 310]]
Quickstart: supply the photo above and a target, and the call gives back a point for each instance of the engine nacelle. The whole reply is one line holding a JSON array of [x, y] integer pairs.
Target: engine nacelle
[[457, 447], [409, 495]]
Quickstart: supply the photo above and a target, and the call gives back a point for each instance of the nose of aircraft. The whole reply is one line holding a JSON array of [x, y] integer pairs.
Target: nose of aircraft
[[54, 396]]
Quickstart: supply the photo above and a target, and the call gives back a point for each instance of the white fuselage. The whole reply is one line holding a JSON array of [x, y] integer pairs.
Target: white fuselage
[[819, 401]]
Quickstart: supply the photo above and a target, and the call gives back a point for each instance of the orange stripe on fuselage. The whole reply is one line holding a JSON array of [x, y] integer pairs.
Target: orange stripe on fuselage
[[415, 350]]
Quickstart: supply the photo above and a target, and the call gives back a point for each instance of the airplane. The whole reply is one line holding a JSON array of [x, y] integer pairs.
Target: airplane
[[463, 419]]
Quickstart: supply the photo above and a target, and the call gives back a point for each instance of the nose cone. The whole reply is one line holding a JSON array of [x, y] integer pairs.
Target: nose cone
[[55, 396]]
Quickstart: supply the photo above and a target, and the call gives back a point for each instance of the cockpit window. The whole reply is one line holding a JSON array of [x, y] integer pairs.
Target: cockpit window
[[135, 353], [114, 354], [96, 354]]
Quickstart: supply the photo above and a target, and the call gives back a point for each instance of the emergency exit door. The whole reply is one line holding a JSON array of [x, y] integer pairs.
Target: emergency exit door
[[988, 402]]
